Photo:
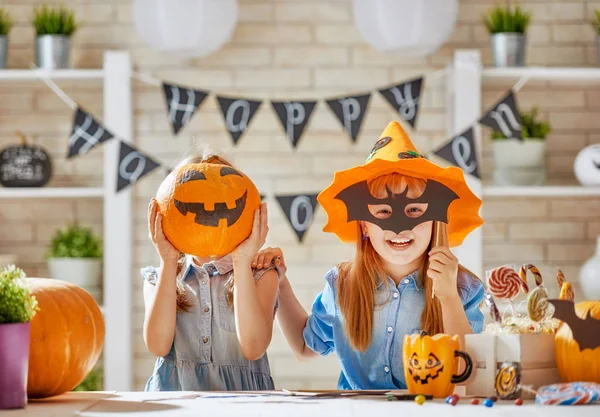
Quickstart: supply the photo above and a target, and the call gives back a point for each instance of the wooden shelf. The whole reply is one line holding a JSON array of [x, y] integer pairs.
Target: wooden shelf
[[38, 74], [542, 73], [52, 192], [541, 191]]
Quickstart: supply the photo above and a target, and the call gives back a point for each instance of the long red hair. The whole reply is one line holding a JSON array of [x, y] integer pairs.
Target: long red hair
[[358, 279]]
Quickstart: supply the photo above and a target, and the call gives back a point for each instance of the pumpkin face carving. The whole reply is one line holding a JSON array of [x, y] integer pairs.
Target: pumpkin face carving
[[431, 361], [207, 209]]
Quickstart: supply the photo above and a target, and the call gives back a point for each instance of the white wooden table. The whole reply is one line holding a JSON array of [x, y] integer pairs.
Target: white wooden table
[[131, 404]]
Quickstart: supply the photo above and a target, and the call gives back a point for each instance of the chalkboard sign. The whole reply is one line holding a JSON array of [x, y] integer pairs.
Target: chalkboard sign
[[24, 166]]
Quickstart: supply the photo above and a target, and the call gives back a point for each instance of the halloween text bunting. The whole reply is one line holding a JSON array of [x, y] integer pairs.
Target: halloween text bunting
[[237, 112], [294, 116], [461, 151], [182, 103], [299, 210], [133, 165], [504, 117], [86, 134], [405, 99], [350, 111]]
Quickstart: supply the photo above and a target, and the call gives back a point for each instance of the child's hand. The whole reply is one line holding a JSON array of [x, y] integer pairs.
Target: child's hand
[[165, 249], [443, 269], [246, 250], [264, 258]]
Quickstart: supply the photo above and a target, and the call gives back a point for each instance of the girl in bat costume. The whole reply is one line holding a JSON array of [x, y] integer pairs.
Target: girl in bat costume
[[397, 283], [208, 326]]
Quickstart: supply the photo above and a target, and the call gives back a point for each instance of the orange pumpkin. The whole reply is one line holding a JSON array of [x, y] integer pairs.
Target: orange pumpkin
[[67, 335], [208, 209], [430, 363], [574, 364]]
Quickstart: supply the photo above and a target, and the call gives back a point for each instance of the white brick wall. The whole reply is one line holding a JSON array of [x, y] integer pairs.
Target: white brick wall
[[300, 49]]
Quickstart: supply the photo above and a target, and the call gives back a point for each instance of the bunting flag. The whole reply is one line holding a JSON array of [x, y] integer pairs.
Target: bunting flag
[[238, 113], [504, 117], [182, 103], [405, 99], [350, 111], [86, 134], [461, 151], [294, 116], [299, 210], [133, 165]]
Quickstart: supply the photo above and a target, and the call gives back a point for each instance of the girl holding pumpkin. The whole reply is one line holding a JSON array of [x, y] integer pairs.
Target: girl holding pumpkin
[[399, 283], [209, 315]]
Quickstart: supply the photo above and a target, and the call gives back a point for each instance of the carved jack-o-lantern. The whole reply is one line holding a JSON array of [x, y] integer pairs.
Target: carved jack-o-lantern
[[430, 363], [208, 209]]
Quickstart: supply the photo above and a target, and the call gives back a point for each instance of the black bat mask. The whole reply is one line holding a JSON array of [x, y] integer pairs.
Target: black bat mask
[[357, 199]]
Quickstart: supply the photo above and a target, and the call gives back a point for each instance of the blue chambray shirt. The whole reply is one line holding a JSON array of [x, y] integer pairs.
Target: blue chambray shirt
[[397, 313]]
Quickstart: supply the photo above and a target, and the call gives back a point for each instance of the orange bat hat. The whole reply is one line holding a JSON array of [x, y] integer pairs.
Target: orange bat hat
[[450, 199]]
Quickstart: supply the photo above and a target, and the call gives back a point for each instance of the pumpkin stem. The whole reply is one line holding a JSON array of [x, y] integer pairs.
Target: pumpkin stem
[[22, 136]]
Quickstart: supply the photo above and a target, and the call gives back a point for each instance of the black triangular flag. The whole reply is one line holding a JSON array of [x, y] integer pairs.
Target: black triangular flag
[[461, 151], [350, 111], [294, 116], [299, 210], [182, 103], [504, 117], [133, 165], [86, 134], [405, 99], [237, 112]]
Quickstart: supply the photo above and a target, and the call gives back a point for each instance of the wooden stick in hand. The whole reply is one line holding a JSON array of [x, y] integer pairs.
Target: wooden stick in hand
[[440, 238]]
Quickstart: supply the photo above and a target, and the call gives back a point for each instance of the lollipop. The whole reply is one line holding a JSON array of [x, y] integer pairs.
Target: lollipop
[[537, 304], [566, 292], [494, 312], [504, 283], [560, 278], [573, 393], [536, 273]]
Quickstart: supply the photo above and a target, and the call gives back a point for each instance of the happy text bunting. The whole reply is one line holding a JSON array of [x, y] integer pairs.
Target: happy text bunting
[[504, 117], [405, 99], [133, 165], [299, 210], [238, 113], [86, 134], [350, 111], [461, 151], [182, 103], [294, 116]]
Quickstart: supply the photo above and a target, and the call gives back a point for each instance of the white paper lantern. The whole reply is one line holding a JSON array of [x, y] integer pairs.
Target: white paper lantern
[[412, 28], [188, 28]]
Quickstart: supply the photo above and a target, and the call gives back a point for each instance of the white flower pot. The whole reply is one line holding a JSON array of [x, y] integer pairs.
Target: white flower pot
[[83, 272], [519, 162]]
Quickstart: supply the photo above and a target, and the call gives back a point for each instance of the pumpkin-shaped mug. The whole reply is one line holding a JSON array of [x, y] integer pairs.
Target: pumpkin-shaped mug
[[431, 364]]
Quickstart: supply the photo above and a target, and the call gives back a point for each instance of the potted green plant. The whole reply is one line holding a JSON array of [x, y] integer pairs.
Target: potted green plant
[[522, 162], [508, 35], [5, 27], [92, 382], [75, 255], [596, 25], [54, 27], [17, 308]]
